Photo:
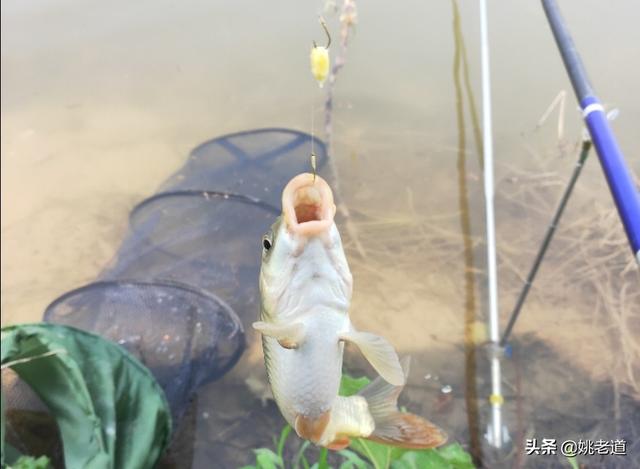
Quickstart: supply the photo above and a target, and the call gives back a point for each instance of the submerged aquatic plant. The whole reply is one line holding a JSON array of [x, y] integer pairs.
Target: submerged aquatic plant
[[362, 453]]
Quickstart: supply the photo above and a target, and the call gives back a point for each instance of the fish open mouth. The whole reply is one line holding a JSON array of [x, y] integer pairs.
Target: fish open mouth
[[308, 205]]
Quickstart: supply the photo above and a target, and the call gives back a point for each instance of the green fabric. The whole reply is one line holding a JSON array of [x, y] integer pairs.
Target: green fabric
[[2, 463], [11, 455], [110, 410]]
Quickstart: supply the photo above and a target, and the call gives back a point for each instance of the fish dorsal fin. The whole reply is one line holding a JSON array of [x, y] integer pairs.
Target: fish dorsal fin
[[289, 336], [379, 353]]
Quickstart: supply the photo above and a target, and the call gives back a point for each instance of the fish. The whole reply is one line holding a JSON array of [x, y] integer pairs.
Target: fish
[[306, 287]]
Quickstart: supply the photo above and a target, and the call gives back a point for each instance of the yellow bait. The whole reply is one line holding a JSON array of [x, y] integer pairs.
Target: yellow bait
[[320, 64]]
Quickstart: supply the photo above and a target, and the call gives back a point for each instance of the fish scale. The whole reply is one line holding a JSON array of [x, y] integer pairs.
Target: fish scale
[[308, 393]]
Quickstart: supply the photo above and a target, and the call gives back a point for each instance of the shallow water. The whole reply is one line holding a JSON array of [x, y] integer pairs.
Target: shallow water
[[102, 102]]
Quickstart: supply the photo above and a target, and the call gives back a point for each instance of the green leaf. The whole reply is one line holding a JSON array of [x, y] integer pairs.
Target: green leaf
[[384, 456], [425, 459], [378, 454], [283, 439], [29, 462], [267, 459], [456, 456], [110, 410], [323, 464], [300, 457], [352, 460], [350, 386], [573, 462], [452, 456]]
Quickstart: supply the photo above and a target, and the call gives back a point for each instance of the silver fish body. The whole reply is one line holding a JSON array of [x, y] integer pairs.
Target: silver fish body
[[317, 296], [306, 288]]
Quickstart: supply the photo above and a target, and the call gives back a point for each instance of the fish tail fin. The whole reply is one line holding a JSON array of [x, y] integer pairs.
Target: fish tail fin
[[397, 428]]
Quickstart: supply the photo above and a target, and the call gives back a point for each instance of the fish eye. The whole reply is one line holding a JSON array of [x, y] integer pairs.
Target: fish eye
[[266, 242]]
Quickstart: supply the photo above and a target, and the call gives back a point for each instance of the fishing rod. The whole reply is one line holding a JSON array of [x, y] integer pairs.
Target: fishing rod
[[617, 173], [584, 152], [618, 176], [495, 430]]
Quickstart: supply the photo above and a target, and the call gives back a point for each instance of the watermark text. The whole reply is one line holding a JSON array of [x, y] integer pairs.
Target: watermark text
[[550, 446]]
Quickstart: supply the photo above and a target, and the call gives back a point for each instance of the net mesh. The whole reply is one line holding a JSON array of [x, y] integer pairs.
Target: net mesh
[[182, 287]]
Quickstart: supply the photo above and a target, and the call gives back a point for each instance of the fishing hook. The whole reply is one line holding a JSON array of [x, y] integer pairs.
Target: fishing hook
[[326, 31]]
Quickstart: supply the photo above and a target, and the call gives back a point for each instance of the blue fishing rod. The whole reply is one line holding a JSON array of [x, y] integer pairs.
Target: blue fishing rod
[[613, 164], [623, 190]]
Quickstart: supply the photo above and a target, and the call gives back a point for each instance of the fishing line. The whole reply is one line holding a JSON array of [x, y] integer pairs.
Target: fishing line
[[313, 134], [320, 66], [313, 138]]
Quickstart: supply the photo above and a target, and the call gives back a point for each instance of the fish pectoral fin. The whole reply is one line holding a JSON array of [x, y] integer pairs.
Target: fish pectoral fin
[[289, 336], [379, 353]]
